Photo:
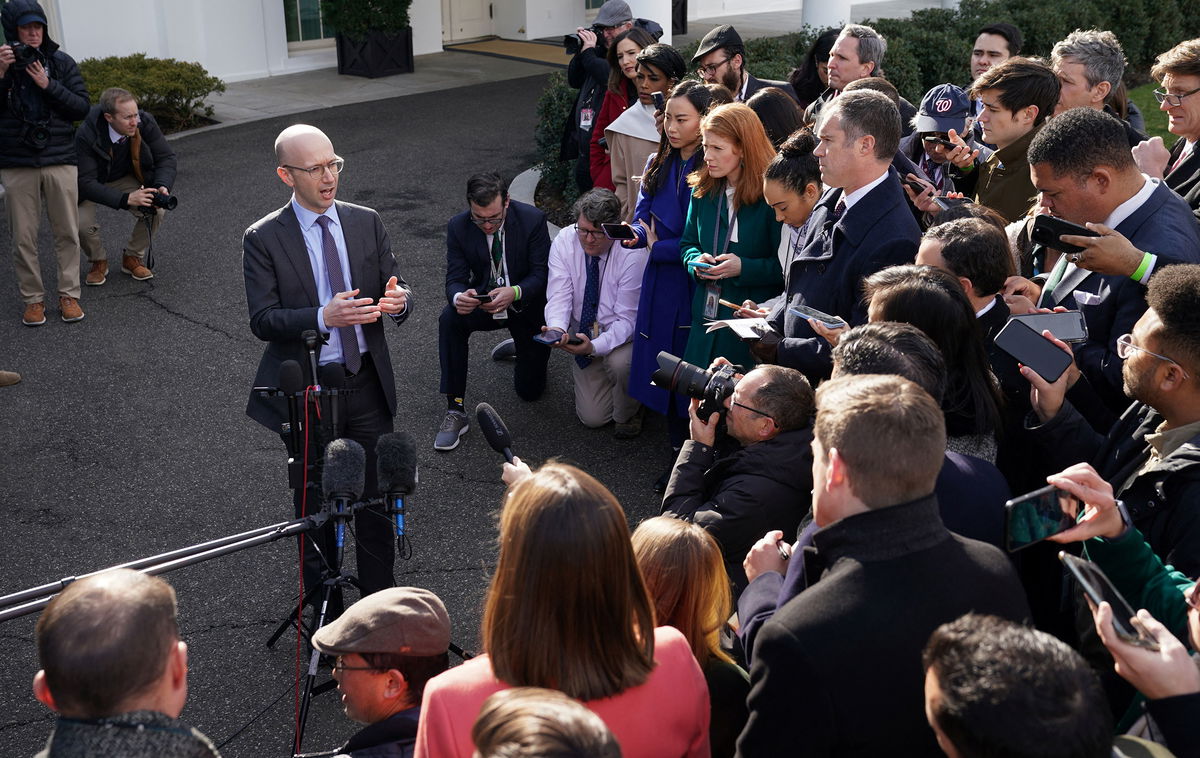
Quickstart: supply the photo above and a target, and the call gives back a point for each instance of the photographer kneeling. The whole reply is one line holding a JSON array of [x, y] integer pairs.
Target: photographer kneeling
[[124, 163], [766, 483]]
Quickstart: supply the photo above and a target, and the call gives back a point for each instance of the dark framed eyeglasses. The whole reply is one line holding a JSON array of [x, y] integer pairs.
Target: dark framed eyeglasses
[[494, 220], [1125, 346], [752, 410], [334, 167], [339, 664], [1172, 100], [709, 69], [588, 233]]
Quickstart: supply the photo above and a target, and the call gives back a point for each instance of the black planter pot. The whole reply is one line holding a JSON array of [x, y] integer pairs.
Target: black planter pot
[[378, 54]]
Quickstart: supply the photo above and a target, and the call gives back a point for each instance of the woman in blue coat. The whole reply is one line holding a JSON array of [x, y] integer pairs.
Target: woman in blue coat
[[665, 307], [731, 230]]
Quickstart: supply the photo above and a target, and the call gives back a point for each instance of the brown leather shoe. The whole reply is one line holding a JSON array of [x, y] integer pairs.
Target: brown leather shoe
[[135, 268], [9, 378], [35, 314], [70, 309], [98, 275]]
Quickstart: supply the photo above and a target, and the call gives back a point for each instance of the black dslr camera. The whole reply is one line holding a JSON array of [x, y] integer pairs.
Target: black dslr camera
[[35, 134], [24, 55], [573, 44], [159, 200], [710, 387]]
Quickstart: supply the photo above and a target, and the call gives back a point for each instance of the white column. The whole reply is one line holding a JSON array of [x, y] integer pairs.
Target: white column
[[655, 10], [822, 14]]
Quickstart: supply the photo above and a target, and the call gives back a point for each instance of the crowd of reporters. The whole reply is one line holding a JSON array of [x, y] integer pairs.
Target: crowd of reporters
[[842, 485]]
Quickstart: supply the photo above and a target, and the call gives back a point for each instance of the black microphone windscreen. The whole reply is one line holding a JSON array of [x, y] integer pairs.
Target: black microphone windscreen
[[494, 430], [291, 377], [345, 469], [396, 456], [331, 375]]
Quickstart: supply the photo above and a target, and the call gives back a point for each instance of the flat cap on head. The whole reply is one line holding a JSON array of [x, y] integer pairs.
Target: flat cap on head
[[614, 13], [722, 36], [402, 620]]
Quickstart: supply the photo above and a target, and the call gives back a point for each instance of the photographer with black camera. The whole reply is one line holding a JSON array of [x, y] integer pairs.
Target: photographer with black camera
[[124, 163], [588, 72], [766, 481], [41, 94]]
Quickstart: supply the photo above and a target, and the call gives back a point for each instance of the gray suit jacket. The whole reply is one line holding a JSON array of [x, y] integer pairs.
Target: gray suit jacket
[[281, 293]]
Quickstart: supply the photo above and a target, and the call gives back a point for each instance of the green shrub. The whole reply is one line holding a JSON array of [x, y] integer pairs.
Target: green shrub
[[554, 110], [173, 91], [354, 18]]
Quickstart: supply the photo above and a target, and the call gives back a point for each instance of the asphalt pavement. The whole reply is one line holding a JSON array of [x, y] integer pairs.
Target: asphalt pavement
[[128, 437]]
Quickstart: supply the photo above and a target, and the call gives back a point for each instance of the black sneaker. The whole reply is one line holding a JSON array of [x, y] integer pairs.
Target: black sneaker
[[454, 426]]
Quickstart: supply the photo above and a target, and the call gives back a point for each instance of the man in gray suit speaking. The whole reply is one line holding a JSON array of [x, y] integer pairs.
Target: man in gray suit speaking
[[327, 266]]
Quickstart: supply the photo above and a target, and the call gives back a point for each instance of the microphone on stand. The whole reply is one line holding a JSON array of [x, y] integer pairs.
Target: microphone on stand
[[291, 383], [312, 343], [342, 479], [396, 464], [332, 379], [494, 430]]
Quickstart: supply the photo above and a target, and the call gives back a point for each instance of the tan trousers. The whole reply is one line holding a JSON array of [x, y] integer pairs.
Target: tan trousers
[[23, 192], [602, 389], [139, 239]]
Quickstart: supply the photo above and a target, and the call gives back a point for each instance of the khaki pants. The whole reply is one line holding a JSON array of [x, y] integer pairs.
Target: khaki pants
[[602, 389], [139, 239], [23, 191]]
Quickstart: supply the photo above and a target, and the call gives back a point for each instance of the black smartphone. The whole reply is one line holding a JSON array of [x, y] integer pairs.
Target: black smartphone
[[482, 297], [619, 231], [660, 102], [1046, 231], [1020, 341], [1033, 517], [830, 322], [918, 188], [1099, 589], [553, 336], [1069, 326], [603, 142], [943, 142]]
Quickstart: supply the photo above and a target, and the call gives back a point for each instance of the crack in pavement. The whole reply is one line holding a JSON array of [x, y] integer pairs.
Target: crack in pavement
[[27, 722], [148, 295]]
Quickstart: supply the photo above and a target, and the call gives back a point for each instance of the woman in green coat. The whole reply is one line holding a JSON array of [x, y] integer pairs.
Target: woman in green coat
[[731, 229]]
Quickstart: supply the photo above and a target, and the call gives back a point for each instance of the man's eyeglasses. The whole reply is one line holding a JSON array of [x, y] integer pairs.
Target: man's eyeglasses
[[752, 410], [494, 220], [1125, 346], [317, 172], [711, 68], [591, 234], [339, 664], [1174, 101]]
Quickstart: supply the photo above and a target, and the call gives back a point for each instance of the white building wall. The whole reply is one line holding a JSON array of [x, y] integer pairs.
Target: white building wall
[[710, 8], [233, 39]]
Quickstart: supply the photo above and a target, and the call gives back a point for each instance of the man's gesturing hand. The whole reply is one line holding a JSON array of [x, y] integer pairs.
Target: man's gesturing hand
[[395, 297], [345, 310]]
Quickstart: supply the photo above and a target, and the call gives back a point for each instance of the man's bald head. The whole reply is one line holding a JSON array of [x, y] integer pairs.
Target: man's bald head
[[297, 138], [106, 640]]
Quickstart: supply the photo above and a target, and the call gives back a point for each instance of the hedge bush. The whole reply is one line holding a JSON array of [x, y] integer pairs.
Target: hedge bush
[[172, 90], [934, 46]]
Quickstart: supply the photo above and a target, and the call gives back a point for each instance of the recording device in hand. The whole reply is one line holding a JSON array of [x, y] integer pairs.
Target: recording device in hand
[[396, 462], [573, 44], [711, 387], [660, 102], [23, 55], [1099, 589], [159, 200], [918, 188], [1047, 229], [494, 430], [1068, 326], [618, 231], [552, 337], [482, 297], [1033, 517], [828, 321], [1031, 349]]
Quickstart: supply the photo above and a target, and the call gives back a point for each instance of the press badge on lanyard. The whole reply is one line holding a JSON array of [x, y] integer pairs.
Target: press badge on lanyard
[[712, 290]]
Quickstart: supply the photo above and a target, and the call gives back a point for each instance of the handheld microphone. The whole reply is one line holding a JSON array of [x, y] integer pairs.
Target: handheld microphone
[[396, 462], [343, 479], [494, 430]]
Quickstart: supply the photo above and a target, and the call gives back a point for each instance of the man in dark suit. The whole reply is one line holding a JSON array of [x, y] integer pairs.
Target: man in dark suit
[[823, 682], [721, 59], [861, 225], [1081, 164], [496, 272], [857, 54], [327, 266], [1178, 70]]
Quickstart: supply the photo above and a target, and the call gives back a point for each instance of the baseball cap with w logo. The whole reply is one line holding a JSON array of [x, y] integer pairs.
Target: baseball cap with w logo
[[943, 108]]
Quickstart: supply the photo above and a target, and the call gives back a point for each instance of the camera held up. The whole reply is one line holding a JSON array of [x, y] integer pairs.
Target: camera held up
[[24, 55], [711, 387], [574, 44]]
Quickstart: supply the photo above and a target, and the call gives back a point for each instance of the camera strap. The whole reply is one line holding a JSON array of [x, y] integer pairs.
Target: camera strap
[[135, 155]]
